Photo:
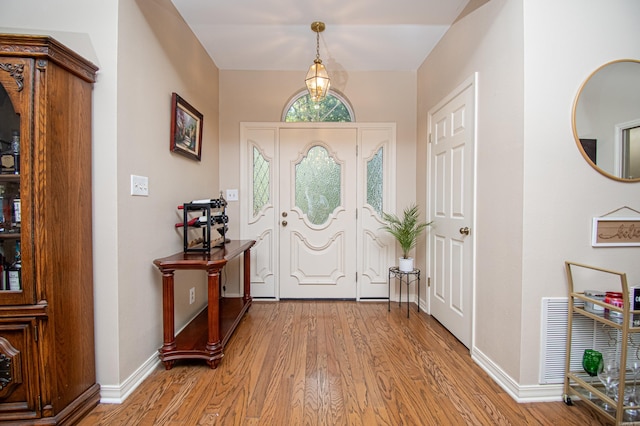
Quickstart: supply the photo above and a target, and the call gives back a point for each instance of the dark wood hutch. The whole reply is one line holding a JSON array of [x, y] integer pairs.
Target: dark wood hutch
[[47, 354]]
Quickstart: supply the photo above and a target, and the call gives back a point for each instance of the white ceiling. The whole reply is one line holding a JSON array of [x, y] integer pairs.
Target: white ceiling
[[360, 35]]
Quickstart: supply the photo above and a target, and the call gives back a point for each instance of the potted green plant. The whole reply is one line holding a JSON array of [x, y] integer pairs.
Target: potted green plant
[[405, 230]]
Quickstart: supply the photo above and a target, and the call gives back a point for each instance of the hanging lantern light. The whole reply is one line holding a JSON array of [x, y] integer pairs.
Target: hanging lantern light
[[317, 79]]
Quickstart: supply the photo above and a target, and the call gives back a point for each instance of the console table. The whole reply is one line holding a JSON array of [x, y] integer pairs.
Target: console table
[[208, 333]]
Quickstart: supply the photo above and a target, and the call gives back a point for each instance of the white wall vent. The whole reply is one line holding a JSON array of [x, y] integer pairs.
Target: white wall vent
[[587, 334]]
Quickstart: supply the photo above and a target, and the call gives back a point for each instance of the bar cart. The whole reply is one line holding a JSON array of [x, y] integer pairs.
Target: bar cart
[[615, 320]]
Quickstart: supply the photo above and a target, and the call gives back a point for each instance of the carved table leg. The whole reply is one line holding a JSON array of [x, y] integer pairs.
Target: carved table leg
[[247, 276], [214, 341], [167, 317]]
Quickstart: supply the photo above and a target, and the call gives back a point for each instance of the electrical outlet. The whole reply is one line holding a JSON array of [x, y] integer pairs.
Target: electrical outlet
[[232, 195], [192, 295], [140, 185]]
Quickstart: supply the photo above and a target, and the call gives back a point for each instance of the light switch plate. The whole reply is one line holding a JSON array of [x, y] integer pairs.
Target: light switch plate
[[140, 185], [232, 195]]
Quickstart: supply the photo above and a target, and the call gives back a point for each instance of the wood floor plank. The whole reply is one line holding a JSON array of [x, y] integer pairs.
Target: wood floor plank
[[279, 386], [373, 399], [311, 380], [263, 362], [298, 367], [333, 363], [356, 393]]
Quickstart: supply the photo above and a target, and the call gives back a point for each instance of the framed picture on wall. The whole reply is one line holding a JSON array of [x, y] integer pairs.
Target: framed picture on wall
[[186, 128], [616, 232]]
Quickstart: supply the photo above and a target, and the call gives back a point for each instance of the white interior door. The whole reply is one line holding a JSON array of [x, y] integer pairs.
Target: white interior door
[[451, 206], [317, 215]]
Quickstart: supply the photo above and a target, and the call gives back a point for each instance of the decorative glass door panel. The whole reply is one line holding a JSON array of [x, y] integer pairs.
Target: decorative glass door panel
[[375, 180], [261, 182], [317, 185]]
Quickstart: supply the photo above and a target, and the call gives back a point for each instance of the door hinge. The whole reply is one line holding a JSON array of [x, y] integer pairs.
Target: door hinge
[[36, 332], [356, 214], [428, 281], [356, 277], [356, 150], [39, 403], [429, 137]]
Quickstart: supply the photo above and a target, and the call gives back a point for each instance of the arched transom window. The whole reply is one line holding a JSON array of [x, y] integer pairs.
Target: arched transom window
[[333, 108]]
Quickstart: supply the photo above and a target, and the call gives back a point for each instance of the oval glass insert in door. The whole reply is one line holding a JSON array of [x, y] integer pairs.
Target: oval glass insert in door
[[317, 185]]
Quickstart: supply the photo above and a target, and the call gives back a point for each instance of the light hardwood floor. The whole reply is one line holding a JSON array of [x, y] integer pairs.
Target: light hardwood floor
[[333, 363]]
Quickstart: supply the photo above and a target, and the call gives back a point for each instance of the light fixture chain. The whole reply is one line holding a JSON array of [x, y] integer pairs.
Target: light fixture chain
[[317, 79]]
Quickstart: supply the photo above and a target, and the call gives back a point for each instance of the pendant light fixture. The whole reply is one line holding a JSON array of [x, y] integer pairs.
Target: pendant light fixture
[[317, 78]]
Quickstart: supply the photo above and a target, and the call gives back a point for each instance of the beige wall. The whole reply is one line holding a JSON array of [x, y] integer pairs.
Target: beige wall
[[157, 55]]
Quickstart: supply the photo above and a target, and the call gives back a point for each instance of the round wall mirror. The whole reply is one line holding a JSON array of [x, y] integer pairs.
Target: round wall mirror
[[606, 120]]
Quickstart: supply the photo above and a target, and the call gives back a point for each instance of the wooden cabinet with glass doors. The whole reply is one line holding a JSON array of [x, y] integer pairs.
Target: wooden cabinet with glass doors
[[603, 343], [47, 355]]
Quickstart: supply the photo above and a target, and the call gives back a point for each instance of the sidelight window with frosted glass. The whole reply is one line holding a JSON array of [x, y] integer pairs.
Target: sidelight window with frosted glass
[[375, 181], [261, 184]]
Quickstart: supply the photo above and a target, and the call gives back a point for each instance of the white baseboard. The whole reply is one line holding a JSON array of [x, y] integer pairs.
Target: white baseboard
[[520, 393], [117, 394]]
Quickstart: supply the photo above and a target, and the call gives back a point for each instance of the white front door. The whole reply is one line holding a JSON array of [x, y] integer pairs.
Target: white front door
[[318, 213], [451, 206], [330, 183]]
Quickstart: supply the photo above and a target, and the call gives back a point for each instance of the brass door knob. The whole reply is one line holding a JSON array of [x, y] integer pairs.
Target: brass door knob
[[284, 223], [465, 230]]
